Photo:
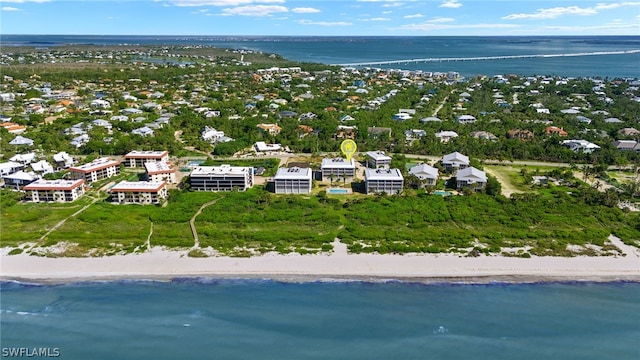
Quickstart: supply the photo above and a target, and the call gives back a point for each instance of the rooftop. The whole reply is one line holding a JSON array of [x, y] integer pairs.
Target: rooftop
[[382, 174], [60, 184], [221, 170], [128, 186], [293, 173]]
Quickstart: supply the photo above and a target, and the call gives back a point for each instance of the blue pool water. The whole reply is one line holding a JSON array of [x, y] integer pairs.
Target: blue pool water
[[337, 191]]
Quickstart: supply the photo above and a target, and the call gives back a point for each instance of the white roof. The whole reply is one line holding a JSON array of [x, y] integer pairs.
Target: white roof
[[262, 146], [332, 163], [446, 134], [10, 165], [471, 173], [42, 165], [22, 175], [96, 164], [23, 158], [60, 184], [294, 173], [146, 154], [138, 186], [378, 155], [221, 170], [156, 167], [62, 156], [20, 140], [455, 157], [424, 171], [382, 174]]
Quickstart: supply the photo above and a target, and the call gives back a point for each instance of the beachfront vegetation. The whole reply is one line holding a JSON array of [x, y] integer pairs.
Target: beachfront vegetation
[[256, 221]]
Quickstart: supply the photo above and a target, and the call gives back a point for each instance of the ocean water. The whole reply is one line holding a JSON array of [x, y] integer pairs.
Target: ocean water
[[265, 319], [346, 50]]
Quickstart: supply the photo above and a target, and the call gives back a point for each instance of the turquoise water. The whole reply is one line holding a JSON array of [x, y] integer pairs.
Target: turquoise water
[[443, 193], [350, 49], [262, 319], [338, 191]]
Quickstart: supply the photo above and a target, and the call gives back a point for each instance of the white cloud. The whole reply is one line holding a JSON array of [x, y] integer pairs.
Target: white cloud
[[414, 16], [376, 19], [440, 20], [223, 2], [552, 13], [9, 8], [255, 10], [603, 6], [305, 10], [324, 23], [453, 4], [439, 26]]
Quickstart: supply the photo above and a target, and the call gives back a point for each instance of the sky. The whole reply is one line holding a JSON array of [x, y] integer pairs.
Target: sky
[[320, 17]]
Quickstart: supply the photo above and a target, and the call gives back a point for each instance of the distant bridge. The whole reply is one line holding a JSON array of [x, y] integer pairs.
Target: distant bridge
[[482, 58]]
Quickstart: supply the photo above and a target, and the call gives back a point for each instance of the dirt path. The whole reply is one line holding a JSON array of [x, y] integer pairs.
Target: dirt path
[[507, 187], [56, 226], [192, 223]]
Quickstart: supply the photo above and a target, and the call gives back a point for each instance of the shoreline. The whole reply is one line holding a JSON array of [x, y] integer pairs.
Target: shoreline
[[168, 265]]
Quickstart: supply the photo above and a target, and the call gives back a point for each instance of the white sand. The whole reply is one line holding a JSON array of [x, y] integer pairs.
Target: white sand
[[164, 264]]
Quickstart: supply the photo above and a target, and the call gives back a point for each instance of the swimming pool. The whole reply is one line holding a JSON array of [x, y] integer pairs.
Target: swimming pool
[[443, 193], [337, 191]]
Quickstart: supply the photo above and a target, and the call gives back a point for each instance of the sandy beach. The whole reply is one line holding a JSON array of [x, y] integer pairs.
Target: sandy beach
[[163, 264]]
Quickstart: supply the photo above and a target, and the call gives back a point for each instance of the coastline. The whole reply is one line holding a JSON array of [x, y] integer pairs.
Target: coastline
[[166, 265]]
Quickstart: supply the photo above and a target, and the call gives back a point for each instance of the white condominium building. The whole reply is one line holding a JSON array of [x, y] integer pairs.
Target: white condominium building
[[139, 158], [55, 190], [293, 180], [389, 181], [96, 170], [139, 192], [221, 178]]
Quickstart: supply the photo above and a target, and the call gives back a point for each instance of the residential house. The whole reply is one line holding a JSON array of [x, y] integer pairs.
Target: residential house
[[293, 180], [13, 128], [388, 181], [18, 180], [10, 167], [465, 119], [483, 135], [143, 131], [428, 175], [346, 132], [414, 134], [21, 141], [54, 190], [524, 135], [554, 130], [139, 192], [157, 171], [455, 161], [583, 119], [337, 168], [63, 160], [80, 140], [628, 132], [42, 167], [627, 145], [471, 178], [446, 136], [262, 147], [140, 158], [613, 120], [272, 129], [580, 145], [98, 169], [304, 130], [221, 178], [100, 104], [24, 159]]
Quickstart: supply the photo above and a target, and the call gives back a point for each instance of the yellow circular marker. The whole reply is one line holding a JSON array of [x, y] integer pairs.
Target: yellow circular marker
[[348, 148]]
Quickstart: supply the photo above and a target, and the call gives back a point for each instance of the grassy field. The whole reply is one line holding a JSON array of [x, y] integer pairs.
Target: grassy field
[[244, 223]]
